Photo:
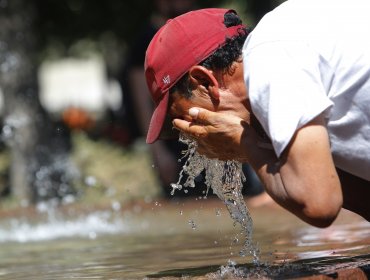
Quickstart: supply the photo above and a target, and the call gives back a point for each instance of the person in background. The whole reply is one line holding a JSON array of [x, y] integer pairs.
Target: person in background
[[139, 107]]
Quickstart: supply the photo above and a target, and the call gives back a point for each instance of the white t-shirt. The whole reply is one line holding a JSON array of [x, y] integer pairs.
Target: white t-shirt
[[307, 57]]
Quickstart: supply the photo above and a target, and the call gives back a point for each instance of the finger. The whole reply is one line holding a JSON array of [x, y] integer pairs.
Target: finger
[[189, 128], [181, 124], [202, 115], [193, 112]]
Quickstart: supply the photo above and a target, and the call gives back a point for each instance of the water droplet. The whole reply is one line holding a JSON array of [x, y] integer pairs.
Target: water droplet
[[116, 206], [92, 235], [174, 187], [192, 224], [218, 212], [90, 181], [68, 199]]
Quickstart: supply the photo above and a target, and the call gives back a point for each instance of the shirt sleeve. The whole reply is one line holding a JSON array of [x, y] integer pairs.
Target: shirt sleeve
[[285, 88]]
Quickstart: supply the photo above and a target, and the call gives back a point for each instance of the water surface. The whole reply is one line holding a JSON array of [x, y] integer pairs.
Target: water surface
[[193, 239]]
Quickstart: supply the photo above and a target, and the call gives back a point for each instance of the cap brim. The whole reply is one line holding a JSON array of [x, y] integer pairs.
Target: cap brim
[[157, 120]]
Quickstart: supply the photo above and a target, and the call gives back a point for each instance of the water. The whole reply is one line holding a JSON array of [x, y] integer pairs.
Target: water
[[226, 180], [149, 241], [55, 227]]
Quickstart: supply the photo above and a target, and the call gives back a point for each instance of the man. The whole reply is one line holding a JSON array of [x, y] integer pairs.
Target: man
[[293, 100], [139, 107]]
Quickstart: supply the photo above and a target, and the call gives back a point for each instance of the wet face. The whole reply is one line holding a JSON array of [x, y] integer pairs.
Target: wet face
[[215, 91], [179, 104]]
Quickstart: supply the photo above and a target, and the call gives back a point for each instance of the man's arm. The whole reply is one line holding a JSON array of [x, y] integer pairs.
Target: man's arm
[[303, 180]]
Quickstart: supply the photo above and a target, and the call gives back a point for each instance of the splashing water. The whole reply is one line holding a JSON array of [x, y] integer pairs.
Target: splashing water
[[226, 180]]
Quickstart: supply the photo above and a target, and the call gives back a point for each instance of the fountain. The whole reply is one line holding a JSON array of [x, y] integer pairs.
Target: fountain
[[34, 140]]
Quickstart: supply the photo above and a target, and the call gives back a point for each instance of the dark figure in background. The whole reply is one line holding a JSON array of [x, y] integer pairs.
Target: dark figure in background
[[139, 107], [259, 8]]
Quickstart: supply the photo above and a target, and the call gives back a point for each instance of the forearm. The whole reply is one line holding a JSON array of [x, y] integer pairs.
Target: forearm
[[300, 181], [268, 168], [286, 189]]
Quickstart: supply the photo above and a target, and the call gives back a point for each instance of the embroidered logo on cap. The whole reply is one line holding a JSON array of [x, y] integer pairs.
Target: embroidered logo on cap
[[166, 80]]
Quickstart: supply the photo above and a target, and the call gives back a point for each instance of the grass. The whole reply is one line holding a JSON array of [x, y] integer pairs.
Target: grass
[[107, 173], [111, 172]]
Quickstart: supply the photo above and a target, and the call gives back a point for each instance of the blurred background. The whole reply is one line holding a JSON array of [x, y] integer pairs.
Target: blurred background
[[76, 175], [74, 106]]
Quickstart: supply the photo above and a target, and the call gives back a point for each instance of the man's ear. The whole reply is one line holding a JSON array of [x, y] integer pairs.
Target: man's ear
[[199, 76]]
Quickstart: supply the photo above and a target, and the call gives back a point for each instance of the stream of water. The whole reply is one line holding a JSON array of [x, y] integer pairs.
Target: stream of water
[[225, 178]]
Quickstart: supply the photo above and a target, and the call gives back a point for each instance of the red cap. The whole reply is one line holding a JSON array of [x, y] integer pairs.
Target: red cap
[[181, 43]]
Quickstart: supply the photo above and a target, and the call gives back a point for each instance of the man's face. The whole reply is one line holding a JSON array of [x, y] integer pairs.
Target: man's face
[[228, 94], [179, 105]]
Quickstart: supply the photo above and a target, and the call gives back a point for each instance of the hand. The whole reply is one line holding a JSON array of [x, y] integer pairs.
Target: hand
[[219, 135]]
